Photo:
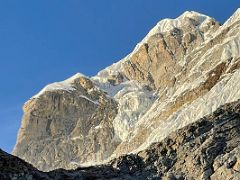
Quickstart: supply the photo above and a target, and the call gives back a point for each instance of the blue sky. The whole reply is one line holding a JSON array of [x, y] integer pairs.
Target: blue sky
[[49, 40]]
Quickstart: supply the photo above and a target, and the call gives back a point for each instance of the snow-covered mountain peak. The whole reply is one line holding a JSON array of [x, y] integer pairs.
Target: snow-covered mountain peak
[[76, 76], [167, 25], [193, 14]]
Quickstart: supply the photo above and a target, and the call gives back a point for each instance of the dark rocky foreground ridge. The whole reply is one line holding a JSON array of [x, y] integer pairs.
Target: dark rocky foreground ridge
[[206, 149]]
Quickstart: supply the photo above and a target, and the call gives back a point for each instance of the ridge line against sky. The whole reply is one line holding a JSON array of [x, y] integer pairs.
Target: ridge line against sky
[[48, 41]]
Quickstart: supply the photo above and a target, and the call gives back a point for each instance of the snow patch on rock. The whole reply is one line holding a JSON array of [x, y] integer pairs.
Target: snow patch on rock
[[133, 99], [65, 85], [88, 99], [134, 102]]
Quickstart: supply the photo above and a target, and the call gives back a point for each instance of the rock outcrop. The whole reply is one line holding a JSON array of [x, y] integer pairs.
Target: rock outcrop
[[206, 149], [73, 123], [183, 70]]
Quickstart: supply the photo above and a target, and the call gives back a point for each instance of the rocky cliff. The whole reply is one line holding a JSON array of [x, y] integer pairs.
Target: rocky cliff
[[206, 149], [183, 70], [71, 124]]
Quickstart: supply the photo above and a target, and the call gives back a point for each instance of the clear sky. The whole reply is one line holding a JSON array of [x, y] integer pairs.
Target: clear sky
[[49, 40]]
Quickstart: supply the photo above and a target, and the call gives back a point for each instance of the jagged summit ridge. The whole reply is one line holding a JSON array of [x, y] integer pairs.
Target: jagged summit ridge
[[167, 25]]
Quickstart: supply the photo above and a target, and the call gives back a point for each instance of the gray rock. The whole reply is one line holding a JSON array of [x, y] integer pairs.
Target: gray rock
[[182, 155]]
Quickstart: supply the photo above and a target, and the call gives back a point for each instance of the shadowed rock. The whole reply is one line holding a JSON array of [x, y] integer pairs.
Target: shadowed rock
[[206, 149]]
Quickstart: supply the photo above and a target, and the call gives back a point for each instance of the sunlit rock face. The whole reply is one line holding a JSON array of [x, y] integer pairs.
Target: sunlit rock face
[[65, 126], [184, 69], [191, 79]]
